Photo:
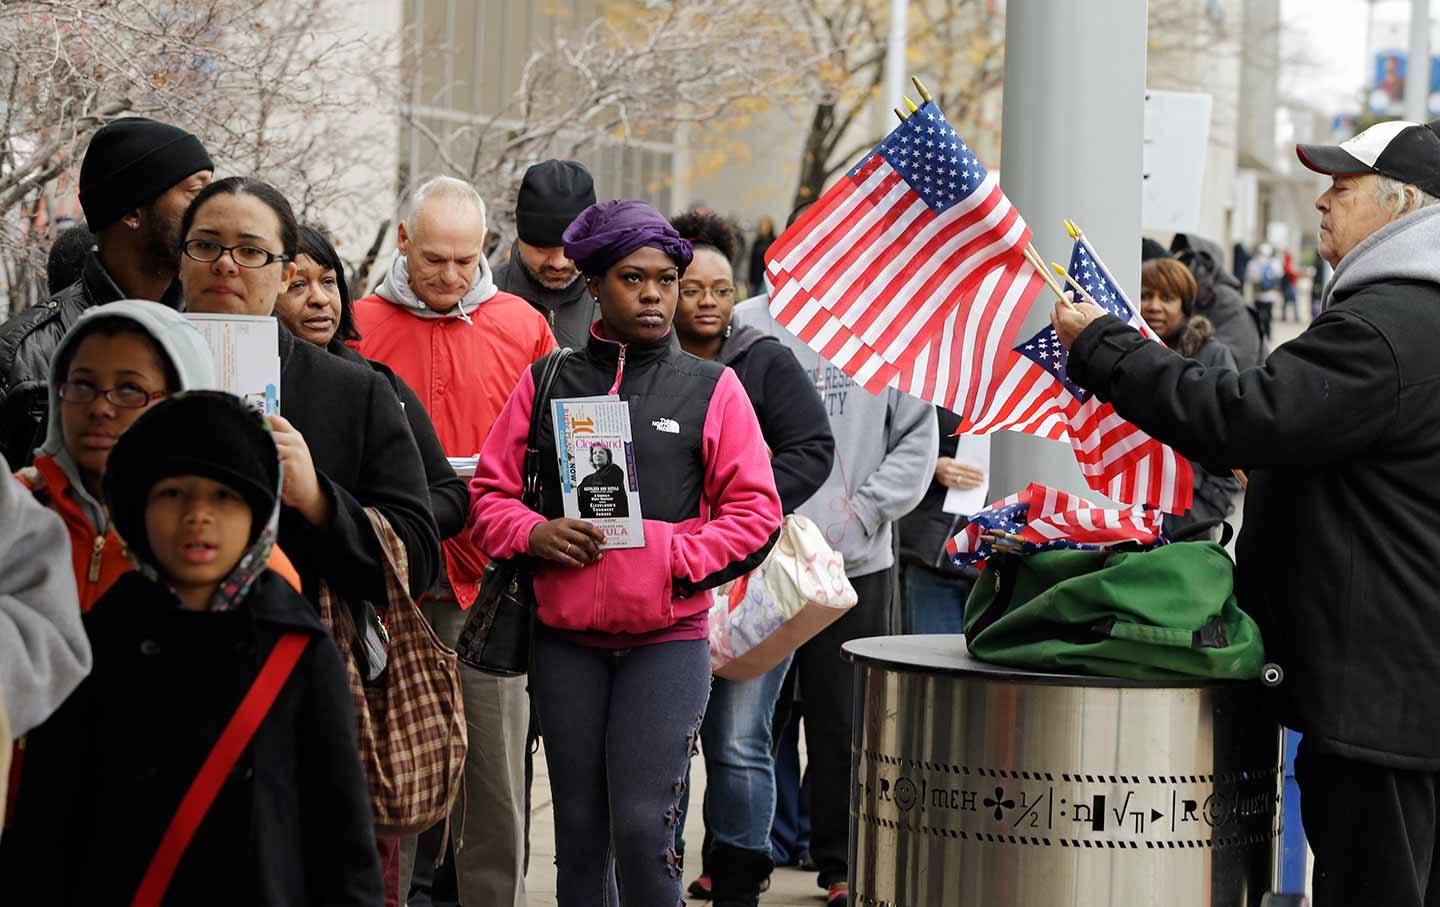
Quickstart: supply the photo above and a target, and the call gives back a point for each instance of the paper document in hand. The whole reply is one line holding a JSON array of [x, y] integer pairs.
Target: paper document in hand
[[972, 450], [464, 466], [246, 351], [596, 456]]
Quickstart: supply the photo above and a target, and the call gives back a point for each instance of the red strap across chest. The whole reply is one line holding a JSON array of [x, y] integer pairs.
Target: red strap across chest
[[211, 777]]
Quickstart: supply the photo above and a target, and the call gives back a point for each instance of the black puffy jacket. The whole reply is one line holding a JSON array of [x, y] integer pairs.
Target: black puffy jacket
[[1339, 554], [791, 413]]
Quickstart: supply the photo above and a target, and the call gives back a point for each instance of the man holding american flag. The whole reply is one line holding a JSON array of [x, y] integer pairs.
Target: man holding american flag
[[1339, 555]]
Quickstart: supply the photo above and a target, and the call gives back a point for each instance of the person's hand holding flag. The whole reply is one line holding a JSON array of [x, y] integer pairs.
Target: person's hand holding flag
[[1071, 318]]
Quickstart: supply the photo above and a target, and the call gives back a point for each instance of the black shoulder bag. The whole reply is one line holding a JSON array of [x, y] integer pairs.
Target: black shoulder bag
[[496, 638]]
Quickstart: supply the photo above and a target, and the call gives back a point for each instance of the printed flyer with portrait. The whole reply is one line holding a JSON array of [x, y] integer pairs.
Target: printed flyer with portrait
[[596, 454]]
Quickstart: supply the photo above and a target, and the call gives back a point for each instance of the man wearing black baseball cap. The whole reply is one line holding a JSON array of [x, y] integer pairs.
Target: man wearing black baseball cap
[[1339, 556], [551, 195], [136, 181]]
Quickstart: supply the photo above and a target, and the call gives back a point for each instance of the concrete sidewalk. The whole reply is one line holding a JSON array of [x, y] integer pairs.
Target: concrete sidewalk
[[788, 887]]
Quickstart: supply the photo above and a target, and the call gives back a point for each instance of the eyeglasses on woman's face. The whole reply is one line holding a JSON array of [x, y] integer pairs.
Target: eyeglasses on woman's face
[[693, 293], [246, 256], [125, 396]]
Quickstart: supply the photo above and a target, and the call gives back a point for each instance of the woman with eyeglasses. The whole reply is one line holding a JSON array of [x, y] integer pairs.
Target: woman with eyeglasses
[[114, 363], [736, 735], [342, 434]]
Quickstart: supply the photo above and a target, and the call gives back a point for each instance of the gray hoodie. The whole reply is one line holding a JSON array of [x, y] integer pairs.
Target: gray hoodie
[[885, 451], [44, 653], [178, 340], [1401, 250], [395, 288]]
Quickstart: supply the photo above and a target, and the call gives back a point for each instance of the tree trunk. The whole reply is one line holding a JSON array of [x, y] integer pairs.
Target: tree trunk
[[813, 161]]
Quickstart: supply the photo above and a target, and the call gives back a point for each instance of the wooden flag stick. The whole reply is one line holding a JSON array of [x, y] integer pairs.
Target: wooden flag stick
[[898, 113], [920, 87], [1038, 264], [1070, 280], [1076, 233]]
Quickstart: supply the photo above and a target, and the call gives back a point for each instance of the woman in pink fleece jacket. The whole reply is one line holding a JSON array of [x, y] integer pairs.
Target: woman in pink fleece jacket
[[622, 665]]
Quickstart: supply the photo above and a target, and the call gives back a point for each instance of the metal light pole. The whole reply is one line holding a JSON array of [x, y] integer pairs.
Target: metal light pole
[[895, 50], [1072, 135], [1417, 71]]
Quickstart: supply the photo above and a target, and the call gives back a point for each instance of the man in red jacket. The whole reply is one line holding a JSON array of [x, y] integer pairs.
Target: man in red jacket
[[438, 320]]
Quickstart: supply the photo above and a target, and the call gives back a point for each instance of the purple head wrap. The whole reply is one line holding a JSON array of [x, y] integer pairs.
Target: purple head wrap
[[607, 232]]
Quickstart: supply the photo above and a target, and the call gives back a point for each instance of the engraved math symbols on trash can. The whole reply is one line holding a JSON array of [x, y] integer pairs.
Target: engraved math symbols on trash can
[[1069, 809]]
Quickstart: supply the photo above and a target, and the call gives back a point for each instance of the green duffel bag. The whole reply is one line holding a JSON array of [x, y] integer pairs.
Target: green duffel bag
[[1164, 614]]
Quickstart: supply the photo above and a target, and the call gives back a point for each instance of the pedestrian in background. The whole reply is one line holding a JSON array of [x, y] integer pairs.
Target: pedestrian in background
[[736, 735], [621, 669], [1265, 277], [1290, 288], [316, 307], [764, 238]]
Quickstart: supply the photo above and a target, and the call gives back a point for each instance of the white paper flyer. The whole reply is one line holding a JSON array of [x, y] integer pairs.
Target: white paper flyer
[[246, 351], [973, 450], [596, 455]]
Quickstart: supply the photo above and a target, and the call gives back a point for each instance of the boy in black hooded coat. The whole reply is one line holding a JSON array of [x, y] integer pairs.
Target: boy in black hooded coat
[[177, 646]]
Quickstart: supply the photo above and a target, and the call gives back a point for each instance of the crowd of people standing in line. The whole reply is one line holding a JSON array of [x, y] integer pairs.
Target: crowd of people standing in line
[[199, 537]]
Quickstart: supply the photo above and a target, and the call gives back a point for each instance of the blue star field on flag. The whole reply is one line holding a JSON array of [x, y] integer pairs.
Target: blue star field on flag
[[928, 154], [1088, 271], [1067, 530]]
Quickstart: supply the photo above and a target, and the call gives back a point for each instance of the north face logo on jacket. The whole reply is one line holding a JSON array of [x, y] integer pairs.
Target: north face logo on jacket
[[667, 425]]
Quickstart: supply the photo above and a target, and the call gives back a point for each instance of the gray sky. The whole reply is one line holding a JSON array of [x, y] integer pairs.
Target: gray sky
[[1323, 42]]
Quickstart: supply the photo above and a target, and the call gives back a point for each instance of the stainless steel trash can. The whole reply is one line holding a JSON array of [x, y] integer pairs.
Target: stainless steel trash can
[[983, 786]]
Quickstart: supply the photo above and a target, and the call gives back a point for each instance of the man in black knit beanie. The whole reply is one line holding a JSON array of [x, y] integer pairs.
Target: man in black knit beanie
[[136, 180]]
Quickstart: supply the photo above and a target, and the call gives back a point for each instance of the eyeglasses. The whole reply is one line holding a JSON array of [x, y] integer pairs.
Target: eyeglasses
[[244, 256], [126, 396], [695, 294]]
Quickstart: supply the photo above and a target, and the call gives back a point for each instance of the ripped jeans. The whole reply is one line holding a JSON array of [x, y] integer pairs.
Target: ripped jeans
[[620, 726]]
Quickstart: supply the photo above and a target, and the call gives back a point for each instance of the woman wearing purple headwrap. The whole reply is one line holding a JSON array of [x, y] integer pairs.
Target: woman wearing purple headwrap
[[621, 673]]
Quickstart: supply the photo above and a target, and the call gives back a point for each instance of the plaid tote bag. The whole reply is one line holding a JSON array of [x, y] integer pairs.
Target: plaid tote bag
[[411, 720]]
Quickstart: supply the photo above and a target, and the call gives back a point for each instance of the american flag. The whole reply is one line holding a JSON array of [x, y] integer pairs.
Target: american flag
[[1049, 520], [909, 271], [1037, 397]]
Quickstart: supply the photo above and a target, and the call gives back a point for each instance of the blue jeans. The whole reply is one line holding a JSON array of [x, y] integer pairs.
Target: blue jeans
[[620, 726], [739, 768], [790, 832], [934, 603]]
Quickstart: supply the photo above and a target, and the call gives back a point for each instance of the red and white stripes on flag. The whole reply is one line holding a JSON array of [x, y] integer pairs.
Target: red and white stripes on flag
[[1056, 515], [895, 293], [1046, 519], [1116, 458]]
